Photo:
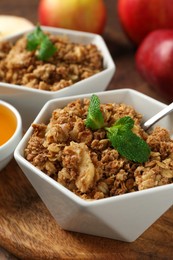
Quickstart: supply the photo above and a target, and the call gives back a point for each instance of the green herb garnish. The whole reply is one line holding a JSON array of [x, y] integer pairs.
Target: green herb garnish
[[95, 118], [39, 41], [121, 136], [127, 143]]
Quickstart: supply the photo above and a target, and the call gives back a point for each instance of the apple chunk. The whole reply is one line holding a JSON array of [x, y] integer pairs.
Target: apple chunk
[[154, 61], [13, 24]]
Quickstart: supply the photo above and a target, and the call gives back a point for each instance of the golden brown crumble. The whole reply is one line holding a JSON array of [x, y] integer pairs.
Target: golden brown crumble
[[72, 62], [83, 160]]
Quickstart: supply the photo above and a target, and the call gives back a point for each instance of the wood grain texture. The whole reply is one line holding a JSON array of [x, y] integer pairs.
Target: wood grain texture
[[27, 230]]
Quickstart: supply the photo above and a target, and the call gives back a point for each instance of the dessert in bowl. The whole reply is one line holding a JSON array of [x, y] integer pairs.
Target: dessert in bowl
[[86, 181], [81, 63]]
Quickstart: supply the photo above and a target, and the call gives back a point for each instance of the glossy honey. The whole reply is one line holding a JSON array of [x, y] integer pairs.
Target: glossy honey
[[8, 124]]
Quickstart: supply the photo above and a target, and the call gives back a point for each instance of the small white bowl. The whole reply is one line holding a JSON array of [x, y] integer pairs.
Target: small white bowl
[[29, 101], [7, 148], [124, 217]]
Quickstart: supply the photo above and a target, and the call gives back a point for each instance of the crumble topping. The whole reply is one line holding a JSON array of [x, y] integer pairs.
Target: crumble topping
[[72, 62], [84, 161]]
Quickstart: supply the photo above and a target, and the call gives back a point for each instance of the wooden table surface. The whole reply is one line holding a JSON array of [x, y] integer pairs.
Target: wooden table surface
[[157, 241]]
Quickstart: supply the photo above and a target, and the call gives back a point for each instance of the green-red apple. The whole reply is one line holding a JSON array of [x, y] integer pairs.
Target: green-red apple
[[82, 15], [154, 61], [139, 17]]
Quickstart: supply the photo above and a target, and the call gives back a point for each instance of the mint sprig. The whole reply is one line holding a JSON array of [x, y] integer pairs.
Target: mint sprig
[[121, 136], [95, 118], [39, 41]]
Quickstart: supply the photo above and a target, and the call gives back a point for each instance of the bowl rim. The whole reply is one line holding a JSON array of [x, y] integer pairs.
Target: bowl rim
[[17, 115], [107, 56], [18, 155]]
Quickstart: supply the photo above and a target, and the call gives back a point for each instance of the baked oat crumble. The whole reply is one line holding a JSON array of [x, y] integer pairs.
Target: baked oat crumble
[[84, 161], [72, 62]]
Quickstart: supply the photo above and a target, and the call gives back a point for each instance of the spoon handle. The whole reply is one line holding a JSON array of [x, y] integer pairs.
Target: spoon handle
[[158, 116]]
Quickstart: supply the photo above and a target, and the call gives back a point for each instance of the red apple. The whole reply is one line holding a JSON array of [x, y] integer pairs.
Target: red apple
[[139, 17], [154, 61], [82, 15]]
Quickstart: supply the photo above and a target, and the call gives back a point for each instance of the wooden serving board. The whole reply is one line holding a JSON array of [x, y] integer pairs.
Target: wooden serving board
[[28, 231]]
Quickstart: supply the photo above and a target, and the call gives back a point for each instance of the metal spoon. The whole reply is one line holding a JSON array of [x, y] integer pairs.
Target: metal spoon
[[158, 116]]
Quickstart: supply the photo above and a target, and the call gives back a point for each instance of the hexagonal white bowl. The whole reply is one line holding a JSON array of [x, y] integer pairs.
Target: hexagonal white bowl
[[29, 101], [124, 217]]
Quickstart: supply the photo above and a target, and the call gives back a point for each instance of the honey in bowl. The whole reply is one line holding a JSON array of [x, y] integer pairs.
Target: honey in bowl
[[8, 124]]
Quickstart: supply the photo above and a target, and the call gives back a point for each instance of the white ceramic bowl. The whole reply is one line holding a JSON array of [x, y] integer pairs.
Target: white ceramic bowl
[[7, 149], [29, 101], [124, 217]]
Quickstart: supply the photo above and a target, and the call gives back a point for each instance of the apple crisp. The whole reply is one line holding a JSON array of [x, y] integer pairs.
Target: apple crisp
[[84, 161], [71, 63]]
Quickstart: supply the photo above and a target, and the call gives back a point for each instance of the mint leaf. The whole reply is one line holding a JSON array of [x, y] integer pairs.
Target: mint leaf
[[123, 124], [131, 146], [95, 118], [127, 143], [47, 49], [34, 39], [37, 40]]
